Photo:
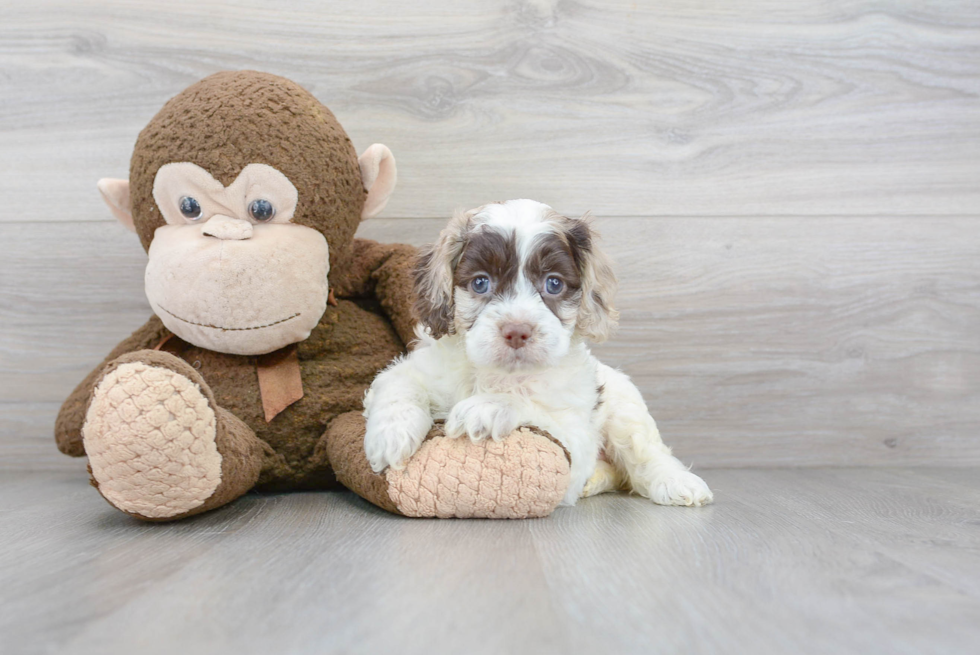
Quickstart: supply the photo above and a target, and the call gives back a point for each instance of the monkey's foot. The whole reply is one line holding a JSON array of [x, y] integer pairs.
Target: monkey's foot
[[524, 475], [151, 436]]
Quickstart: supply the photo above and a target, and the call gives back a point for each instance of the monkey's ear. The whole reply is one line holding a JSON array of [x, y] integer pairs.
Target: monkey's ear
[[378, 173], [116, 194]]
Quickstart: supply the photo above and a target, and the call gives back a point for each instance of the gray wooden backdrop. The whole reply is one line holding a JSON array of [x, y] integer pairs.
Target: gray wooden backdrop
[[791, 190]]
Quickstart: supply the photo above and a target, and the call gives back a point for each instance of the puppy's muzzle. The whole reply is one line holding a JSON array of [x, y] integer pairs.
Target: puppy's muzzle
[[516, 335]]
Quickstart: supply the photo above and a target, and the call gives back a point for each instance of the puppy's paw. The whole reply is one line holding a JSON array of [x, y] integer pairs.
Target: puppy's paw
[[481, 417], [681, 488], [394, 433], [606, 478]]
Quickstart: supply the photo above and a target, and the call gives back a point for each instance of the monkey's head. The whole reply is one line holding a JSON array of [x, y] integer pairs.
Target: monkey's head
[[245, 190]]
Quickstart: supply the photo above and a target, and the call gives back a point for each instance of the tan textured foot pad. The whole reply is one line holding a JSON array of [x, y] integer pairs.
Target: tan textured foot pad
[[150, 439], [522, 476]]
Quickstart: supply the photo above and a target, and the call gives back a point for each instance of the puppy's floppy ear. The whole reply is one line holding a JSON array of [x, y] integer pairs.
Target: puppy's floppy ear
[[434, 276], [596, 316]]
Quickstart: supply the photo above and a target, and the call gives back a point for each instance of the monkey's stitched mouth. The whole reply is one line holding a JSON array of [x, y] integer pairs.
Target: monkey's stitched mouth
[[230, 329]]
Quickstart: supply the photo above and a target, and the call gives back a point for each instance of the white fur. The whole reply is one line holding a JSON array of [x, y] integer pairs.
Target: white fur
[[483, 388]]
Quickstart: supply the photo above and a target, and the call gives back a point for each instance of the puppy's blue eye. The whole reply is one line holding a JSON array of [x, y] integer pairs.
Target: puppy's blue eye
[[190, 208], [480, 284], [553, 285], [261, 210]]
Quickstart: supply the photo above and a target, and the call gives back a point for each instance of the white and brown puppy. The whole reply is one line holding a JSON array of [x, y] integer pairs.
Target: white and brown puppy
[[508, 297]]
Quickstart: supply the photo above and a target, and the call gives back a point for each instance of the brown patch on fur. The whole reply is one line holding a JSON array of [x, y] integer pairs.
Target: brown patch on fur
[[553, 255], [491, 253], [597, 316]]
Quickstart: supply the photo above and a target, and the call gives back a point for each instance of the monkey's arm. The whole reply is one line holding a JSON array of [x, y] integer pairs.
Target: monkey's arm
[[384, 271], [71, 416]]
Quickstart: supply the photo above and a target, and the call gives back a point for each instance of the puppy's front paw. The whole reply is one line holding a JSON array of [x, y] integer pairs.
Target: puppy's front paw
[[394, 434], [481, 417], [681, 488]]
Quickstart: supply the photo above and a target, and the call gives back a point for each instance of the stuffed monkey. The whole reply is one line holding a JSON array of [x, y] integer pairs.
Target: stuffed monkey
[[271, 320]]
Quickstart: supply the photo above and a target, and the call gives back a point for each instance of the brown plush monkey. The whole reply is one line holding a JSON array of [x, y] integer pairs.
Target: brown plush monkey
[[271, 321]]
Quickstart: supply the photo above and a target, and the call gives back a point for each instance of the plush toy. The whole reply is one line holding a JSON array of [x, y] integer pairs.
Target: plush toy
[[271, 320]]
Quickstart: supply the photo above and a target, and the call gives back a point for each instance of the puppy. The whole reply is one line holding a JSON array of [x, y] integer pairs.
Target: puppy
[[508, 297]]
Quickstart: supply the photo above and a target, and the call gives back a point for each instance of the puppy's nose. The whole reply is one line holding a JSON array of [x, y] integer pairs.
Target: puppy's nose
[[516, 334]]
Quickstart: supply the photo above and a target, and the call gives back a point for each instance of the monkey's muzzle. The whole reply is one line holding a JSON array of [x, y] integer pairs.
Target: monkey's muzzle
[[246, 295]]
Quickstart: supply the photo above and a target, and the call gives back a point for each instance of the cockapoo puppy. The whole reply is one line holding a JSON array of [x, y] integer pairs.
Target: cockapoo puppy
[[508, 298]]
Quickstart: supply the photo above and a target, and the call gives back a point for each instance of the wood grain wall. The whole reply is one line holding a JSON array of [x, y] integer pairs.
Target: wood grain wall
[[791, 190]]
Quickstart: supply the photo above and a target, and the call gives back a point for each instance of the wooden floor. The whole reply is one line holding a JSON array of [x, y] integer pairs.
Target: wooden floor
[[791, 561]]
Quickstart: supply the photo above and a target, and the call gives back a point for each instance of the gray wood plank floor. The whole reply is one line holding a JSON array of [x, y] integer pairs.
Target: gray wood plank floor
[[796, 561]]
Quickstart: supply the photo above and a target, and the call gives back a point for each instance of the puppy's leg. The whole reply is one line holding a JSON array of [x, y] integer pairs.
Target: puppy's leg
[[633, 442], [606, 478], [496, 416], [398, 416]]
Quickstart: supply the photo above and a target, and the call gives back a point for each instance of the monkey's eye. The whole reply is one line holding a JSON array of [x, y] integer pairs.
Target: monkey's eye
[[190, 208], [553, 285], [261, 210], [480, 285]]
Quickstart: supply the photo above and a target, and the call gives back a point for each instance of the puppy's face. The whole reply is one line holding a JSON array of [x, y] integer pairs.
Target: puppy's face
[[519, 281]]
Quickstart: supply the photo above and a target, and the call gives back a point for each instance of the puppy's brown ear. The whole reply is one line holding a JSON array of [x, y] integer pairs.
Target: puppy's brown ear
[[434, 276], [596, 317]]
